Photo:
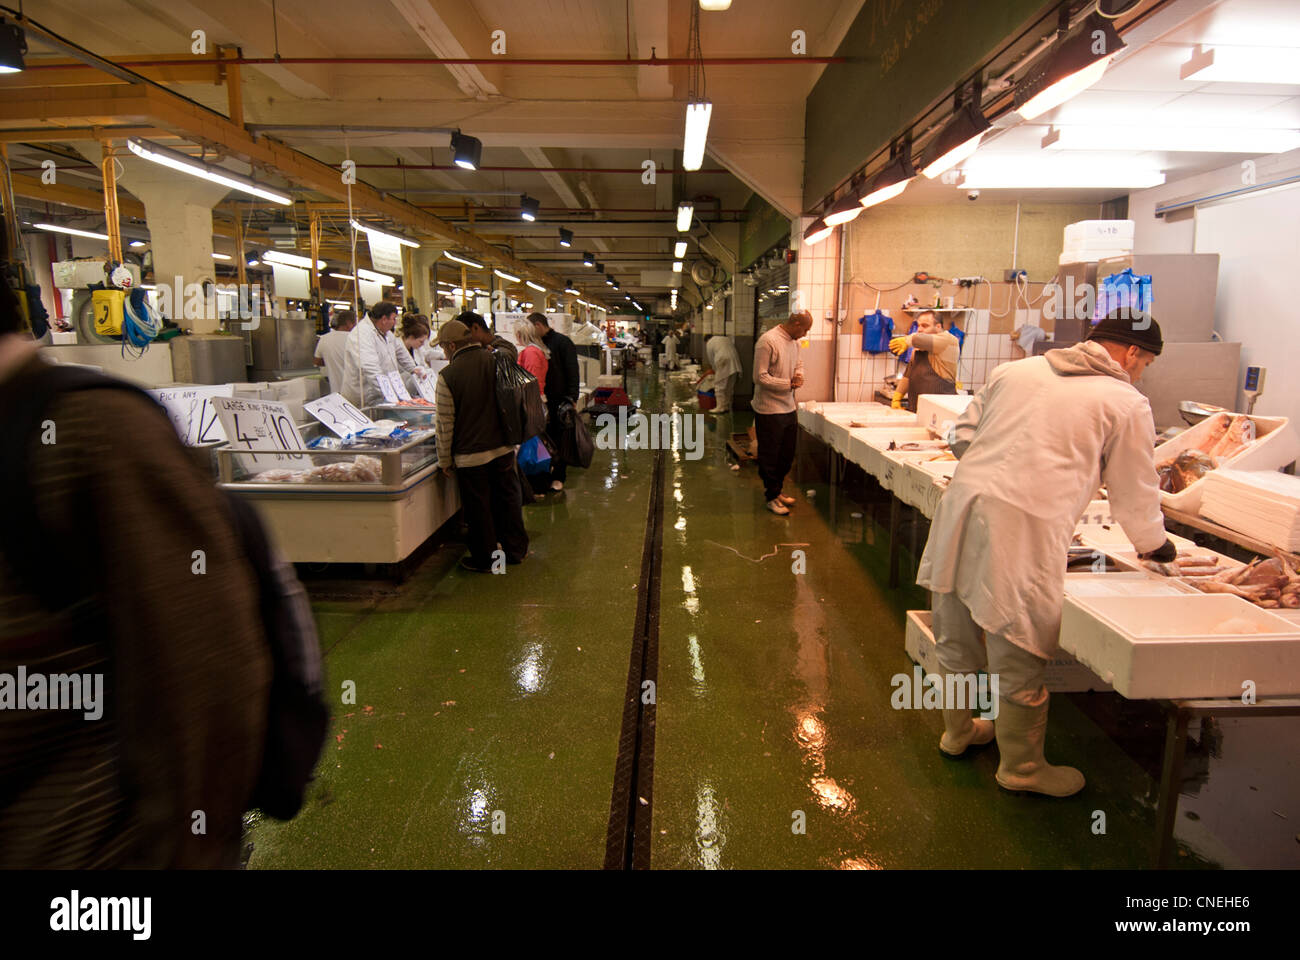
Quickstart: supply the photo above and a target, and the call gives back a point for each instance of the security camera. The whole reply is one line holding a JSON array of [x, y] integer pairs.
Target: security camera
[[972, 194]]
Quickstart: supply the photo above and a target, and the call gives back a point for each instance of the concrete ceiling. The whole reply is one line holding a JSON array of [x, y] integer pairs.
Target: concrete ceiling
[[573, 136]]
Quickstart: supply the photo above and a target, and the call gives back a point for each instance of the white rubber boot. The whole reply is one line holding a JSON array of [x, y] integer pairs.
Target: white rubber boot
[[961, 730], [1021, 732]]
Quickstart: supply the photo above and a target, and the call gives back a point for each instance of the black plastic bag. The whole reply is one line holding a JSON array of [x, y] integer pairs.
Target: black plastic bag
[[574, 439], [519, 400]]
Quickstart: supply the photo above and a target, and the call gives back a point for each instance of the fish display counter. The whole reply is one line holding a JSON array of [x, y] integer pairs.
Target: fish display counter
[[370, 501], [906, 459]]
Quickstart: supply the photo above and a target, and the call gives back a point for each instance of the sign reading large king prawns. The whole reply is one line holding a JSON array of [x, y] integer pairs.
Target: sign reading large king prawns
[[263, 428]]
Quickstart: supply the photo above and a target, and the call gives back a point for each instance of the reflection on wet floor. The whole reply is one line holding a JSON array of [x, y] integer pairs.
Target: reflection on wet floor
[[488, 710]]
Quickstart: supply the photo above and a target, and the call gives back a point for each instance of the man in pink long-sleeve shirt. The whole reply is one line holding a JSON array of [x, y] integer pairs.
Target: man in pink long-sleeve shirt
[[778, 372]]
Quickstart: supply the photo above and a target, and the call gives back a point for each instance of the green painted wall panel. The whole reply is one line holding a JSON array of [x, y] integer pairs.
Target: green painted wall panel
[[905, 54], [763, 226]]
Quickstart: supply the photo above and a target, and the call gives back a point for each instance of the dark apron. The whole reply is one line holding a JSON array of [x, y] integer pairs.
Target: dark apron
[[921, 378]]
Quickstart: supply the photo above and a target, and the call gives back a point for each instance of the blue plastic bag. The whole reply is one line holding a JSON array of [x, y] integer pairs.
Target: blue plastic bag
[[1127, 290], [534, 458]]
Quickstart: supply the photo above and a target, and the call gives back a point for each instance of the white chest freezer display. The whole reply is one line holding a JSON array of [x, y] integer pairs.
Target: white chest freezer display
[[363, 502]]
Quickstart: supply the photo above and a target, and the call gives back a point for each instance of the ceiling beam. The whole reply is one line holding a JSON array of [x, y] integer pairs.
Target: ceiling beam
[[439, 34], [146, 104]]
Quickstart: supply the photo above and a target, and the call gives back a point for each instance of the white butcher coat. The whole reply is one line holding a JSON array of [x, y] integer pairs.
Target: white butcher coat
[[1034, 447], [368, 355], [670, 348], [722, 357]]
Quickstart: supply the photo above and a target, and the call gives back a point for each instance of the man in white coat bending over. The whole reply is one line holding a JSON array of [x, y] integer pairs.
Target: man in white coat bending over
[[1034, 447], [725, 361]]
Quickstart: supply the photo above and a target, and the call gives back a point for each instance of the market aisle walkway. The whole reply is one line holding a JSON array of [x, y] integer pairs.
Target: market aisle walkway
[[498, 699], [774, 709], [482, 699]]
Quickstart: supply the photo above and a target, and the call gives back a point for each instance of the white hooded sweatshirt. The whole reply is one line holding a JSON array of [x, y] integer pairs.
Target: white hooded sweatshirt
[[1035, 445]]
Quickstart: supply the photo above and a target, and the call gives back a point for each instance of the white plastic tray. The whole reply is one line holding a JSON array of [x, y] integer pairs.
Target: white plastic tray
[[1165, 647], [1275, 446]]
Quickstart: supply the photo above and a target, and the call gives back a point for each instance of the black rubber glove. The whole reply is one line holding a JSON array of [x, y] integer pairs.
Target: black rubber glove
[[1167, 553]]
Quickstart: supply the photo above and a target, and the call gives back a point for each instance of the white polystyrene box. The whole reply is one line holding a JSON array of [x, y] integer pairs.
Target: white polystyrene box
[[933, 410], [1064, 673], [77, 274], [1275, 446], [1100, 232], [1168, 647], [1132, 584]]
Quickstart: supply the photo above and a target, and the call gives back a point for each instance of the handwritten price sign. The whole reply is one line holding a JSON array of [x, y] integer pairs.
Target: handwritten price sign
[[192, 413], [264, 428]]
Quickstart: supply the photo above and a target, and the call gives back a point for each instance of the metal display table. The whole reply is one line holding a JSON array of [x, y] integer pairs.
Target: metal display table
[[1178, 713]]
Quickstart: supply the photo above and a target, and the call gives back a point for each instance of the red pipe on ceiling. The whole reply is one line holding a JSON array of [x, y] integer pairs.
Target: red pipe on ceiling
[[475, 61], [448, 166]]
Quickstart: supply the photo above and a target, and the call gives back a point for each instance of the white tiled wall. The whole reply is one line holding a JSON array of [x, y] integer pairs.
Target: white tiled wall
[[859, 374], [814, 276]]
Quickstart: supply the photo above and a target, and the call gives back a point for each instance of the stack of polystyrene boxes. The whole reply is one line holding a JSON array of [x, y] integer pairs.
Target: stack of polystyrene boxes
[[1091, 240]]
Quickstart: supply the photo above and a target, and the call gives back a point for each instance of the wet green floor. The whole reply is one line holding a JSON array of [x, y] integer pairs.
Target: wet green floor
[[488, 708]]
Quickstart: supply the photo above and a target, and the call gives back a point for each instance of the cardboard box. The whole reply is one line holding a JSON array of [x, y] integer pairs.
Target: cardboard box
[[1064, 673]]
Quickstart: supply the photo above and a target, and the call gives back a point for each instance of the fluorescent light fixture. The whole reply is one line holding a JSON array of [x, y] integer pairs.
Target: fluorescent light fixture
[[137, 243], [291, 259], [222, 256], [505, 276], [179, 161], [711, 5], [679, 249], [366, 228], [957, 141], [55, 228], [817, 232], [13, 44], [536, 286], [1225, 64], [529, 207], [339, 303], [465, 260], [1011, 173], [374, 277], [466, 151], [677, 266], [843, 210], [1135, 138], [891, 181], [1071, 66], [697, 132], [685, 210], [566, 237]]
